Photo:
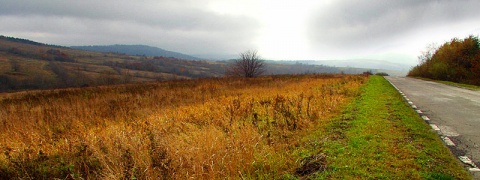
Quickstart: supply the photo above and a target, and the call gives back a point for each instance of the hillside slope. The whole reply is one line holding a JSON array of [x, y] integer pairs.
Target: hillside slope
[[395, 69], [26, 64], [136, 50]]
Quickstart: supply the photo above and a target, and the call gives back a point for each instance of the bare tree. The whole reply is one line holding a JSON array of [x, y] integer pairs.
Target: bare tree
[[428, 53], [249, 65]]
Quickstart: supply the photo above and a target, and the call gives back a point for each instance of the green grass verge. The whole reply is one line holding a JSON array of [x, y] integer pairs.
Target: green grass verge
[[379, 136], [466, 86]]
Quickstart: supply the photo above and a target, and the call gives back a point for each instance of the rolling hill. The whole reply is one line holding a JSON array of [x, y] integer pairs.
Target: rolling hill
[[27, 65], [136, 50], [375, 65]]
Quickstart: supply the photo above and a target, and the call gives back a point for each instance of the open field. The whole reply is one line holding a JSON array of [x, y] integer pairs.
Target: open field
[[275, 127], [211, 128]]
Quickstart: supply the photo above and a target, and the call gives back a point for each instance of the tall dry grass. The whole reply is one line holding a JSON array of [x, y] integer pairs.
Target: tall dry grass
[[202, 129]]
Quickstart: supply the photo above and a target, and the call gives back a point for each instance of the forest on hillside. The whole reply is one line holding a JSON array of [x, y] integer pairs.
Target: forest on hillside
[[29, 65], [457, 60], [136, 50]]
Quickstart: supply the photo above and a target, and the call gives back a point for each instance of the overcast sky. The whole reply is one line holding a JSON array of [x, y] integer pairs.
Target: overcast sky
[[395, 31]]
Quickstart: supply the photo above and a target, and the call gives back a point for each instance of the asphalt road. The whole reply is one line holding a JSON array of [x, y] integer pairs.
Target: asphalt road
[[455, 111]]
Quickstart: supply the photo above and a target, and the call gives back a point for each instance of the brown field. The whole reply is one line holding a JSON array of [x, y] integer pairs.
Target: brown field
[[202, 129]]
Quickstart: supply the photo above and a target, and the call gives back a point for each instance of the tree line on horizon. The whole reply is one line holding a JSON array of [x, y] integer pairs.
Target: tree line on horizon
[[457, 60]]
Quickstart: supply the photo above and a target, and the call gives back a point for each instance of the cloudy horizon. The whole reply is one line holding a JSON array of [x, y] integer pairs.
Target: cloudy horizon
[[394, 31]]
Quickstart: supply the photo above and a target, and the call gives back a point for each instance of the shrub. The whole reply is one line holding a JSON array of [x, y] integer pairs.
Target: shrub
[[382, 74]]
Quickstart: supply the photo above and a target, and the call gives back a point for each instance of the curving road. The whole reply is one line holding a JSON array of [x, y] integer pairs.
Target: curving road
[[455, 111]]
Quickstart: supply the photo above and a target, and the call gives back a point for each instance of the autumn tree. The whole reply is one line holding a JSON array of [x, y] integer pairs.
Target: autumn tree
[[457, 61], [249, 65]]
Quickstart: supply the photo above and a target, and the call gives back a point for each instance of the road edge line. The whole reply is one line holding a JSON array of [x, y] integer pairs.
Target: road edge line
[[446, 140]]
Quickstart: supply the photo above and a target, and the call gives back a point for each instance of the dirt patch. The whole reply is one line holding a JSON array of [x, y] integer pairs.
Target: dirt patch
[[312, 164]]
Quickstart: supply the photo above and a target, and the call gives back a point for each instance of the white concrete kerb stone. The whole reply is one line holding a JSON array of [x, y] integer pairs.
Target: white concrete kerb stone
[[448, 141], [474, 169], [435, 127], [467, 160], [425, 118]]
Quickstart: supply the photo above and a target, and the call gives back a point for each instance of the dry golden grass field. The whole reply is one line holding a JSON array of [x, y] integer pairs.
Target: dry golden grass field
[[202, 129]]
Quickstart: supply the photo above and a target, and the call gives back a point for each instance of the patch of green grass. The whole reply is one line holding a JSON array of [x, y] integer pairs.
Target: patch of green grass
[[466, 86], [380, 137]]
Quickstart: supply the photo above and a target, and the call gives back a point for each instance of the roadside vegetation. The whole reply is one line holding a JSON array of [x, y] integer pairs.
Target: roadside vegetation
[[378, 136], [456, 61], [466, 86]]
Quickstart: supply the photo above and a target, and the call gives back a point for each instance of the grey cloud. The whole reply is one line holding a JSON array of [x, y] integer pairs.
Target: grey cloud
[[365, 22], [182, 25], [168, 13]]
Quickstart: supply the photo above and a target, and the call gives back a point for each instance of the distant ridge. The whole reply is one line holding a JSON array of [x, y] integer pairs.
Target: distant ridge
[[27, 65], [366, 63], [25, 41], [136, 50]]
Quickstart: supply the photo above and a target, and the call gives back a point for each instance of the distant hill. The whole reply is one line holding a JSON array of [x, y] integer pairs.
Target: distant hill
[[367, 63], [26, 65], [376, 65], [136, 50]]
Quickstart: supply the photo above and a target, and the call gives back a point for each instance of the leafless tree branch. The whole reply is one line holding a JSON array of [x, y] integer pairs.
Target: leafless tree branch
[[249, 65]]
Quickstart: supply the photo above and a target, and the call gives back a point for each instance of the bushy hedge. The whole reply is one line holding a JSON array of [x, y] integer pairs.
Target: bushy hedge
[[456, 61]]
